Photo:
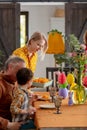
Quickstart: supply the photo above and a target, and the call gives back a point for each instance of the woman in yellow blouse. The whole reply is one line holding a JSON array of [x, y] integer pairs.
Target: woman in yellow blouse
[[29, 51]]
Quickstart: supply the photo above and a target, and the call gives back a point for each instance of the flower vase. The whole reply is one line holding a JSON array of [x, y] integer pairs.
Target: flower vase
[[63, 92], [79, 95]]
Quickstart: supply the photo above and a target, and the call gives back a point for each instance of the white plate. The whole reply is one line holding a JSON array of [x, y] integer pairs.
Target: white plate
[[50, 106]]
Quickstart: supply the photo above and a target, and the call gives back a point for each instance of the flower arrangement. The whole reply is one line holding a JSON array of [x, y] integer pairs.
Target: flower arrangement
[[75, 57]]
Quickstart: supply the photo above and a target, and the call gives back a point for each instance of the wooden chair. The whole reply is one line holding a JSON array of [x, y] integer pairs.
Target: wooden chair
[[50, 74]]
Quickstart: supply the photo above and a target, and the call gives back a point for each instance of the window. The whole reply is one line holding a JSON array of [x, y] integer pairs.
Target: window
[[23, 28]]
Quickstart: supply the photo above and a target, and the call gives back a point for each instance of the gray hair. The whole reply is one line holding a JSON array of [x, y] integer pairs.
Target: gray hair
[[13, 60]]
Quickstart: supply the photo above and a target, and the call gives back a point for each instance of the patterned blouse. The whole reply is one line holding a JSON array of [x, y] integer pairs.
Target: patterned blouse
[[24, 53], [20, 102]]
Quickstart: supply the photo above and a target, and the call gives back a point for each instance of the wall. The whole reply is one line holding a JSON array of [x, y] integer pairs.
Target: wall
[[40, 20]]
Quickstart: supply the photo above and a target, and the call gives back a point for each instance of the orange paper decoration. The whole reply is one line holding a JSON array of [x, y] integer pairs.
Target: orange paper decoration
[[56, 43]]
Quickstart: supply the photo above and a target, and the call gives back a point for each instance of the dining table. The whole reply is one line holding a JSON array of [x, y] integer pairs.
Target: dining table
[[72, 117]]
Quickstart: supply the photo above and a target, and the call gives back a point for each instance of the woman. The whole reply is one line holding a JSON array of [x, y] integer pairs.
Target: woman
[[29, 51]]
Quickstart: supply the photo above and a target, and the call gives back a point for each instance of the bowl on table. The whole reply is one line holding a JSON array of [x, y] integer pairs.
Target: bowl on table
[[42, 82]]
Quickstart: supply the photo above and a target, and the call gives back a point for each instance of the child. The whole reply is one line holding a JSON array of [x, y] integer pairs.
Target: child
[[20, 106]]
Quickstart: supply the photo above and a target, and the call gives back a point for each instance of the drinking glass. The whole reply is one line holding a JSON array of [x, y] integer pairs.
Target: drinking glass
[[57, 102], [52, 92]]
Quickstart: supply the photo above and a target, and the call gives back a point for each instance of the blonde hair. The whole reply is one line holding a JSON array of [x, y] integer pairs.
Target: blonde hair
[[39, 36], [85, 37]]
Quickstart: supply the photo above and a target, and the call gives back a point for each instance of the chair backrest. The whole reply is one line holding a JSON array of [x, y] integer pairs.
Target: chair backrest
[[50, 73]]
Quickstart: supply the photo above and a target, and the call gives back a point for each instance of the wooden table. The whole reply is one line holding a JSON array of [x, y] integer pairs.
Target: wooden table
[[72, 118]]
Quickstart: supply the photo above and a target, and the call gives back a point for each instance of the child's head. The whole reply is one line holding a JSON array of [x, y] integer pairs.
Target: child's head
[[24, 76]]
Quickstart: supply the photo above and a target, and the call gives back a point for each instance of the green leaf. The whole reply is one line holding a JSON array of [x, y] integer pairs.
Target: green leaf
[[63, 85]]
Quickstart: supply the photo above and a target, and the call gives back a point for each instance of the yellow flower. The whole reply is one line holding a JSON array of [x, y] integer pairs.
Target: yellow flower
[[72, 86], [70, 78]]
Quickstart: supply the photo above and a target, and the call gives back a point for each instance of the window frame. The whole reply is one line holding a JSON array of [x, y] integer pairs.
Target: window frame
[[26, 14]]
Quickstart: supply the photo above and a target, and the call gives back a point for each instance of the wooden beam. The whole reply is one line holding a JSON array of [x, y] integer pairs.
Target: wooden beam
[[43, 0]]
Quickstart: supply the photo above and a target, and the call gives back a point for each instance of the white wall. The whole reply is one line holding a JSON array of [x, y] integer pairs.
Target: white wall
[[40, 20]]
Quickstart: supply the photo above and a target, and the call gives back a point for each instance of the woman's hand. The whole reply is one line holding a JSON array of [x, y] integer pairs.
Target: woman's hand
[[13, 125]]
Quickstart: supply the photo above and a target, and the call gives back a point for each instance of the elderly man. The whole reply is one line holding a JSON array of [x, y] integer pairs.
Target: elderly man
[[7, 82]]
